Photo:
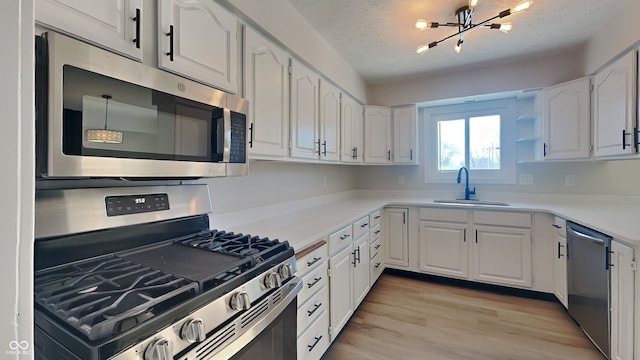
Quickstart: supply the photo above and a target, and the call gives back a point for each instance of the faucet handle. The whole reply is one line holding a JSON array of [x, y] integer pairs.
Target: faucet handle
[[472, 192]]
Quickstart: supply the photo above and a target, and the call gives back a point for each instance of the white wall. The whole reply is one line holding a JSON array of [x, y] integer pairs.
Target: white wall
[[271, 182], [280, 20], [17, 186]]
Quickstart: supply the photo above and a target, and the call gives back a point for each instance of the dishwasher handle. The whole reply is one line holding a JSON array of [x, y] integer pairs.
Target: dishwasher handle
[[575, 232]]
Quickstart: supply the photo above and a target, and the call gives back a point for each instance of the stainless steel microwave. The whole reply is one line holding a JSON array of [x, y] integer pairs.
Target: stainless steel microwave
[[100, 115]]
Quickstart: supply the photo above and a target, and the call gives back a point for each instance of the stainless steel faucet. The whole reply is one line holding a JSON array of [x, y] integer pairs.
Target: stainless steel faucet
[[467, 192]]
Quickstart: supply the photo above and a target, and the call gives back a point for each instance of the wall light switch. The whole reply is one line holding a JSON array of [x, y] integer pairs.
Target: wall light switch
[[526, 179], [570, 180]]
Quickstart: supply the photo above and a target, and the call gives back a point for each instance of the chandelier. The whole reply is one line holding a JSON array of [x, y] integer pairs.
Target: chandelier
[[465, 24], [105, 135]]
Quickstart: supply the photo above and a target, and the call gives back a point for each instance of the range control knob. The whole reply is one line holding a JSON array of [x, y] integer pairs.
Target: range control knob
[[160, 349], [193, 331], [272, 280], [285, 271], [240, 301]]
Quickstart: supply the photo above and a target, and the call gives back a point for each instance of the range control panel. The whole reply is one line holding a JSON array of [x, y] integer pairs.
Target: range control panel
[[136, 204]]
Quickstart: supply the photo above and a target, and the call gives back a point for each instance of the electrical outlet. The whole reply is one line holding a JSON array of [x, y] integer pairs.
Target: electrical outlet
[[526, 179], [324, 180], [401, 179], [570, 180]]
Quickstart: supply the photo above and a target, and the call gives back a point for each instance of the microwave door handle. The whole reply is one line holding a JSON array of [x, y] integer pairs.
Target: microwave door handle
[[226, 155]]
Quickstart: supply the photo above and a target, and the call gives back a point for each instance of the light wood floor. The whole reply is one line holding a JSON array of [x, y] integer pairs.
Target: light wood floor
[[404, 318]]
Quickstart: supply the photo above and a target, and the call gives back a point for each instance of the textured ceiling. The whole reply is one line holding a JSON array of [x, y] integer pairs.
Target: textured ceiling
[[378, 37]]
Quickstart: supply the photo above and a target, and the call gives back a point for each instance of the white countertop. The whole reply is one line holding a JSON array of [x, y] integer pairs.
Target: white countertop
[[304, 222]]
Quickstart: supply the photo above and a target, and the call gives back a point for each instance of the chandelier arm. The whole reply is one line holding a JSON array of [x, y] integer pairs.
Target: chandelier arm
[[467, 29]]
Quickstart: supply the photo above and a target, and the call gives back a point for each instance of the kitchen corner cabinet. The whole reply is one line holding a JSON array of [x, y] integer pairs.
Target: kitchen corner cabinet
[[567, 120], [560, 262], [305, 85], [377, 135], [623, 270], [329, 122], [351, 134], [115, 25], [266, 86], [198, 39], [396, 237], [615, 101], [405, 149]]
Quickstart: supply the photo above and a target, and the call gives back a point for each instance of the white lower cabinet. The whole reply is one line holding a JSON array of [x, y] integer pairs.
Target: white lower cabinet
[[315, 341], [361, 284], [443, 249], [340, 290], [396, 236], [623, 270], [560, 262], [502, 256]]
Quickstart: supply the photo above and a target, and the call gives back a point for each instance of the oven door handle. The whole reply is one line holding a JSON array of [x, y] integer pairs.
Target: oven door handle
[[290, 291], [226, 155]]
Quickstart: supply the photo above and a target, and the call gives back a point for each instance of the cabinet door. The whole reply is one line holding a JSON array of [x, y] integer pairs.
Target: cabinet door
[[614, 107], [266, 87], [377, 135], [444, 249], [567, 125], [361, 282], [396, 236], [110, 24], [502, 256], [329, 122], [622, 301], [203, 41], [560, 269], [304, 112], [404, 135], [352, 127], [340, 290]]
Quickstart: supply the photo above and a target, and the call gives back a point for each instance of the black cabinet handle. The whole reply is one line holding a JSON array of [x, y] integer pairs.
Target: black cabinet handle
[[377, 265], [389, 155], [170, 35], [137, 20], [354, 153], [364, 225], [636, 142], [315, 260], [476, 236], [354, 258], [345, 236], [464, 239], [358, 254], [251, 135], [624, 139], [556, 226], [315, 308], [324, 145], [411, 154], [608, 263], [317, 340], [315, 281], [377, 232], [544, 150], [559, 247], [318, 142], [376, 217], [377, 247]]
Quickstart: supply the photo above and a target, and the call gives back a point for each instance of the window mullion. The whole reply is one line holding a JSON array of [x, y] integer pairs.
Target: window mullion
[[467, 143]]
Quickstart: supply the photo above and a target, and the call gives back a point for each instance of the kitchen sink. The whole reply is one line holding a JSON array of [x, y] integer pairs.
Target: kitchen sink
[[472, 202]]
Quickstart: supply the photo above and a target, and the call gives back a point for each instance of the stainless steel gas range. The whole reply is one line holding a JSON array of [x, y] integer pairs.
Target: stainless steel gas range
[[136, 273]]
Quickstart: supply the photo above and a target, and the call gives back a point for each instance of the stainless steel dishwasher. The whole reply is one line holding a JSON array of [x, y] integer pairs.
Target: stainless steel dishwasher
[[588, 263]]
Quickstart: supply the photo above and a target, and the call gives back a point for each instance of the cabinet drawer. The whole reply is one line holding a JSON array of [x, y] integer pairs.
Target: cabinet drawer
[[438, 214], [374, 233], [314, 342], [312, 308], [374, 218], [360, 227], [311, 258], [340, 239], [502, 218], [375, 267], [312, 282], [559, 224], [375, 248]]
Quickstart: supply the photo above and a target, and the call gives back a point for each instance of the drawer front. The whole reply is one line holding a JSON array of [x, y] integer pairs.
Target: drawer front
[[375, 248], [312, 308], [311, 260], [375, 268], [339, 239], [360, 227], [559, 224], [503, 218], [439, 214], [374, 233], [315, 340], [374, 218], [312, 282]]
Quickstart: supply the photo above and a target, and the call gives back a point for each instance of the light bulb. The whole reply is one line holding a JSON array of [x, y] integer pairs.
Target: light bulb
[[473, 4], [422, 49], [457, 49], [424, 24], [506, 27], [521, 6]]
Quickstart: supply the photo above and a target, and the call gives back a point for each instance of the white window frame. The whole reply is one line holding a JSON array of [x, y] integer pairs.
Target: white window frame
[[506, 108]]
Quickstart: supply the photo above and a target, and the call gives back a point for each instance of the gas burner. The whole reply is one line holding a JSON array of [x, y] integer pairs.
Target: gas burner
[[238, 245]]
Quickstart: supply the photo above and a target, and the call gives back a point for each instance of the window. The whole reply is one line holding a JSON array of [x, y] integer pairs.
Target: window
[[478, 136]]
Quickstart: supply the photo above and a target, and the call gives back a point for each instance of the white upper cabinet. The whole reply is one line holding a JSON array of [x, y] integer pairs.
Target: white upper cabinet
[[266, 86], [197, 39], [377, 135], [329, 122], [304, 112], [115, 25], [567, 120], [351, 131], [615, 117], [404, 135]]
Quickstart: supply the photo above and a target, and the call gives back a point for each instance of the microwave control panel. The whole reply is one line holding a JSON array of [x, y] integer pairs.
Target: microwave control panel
[[136, 204]]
